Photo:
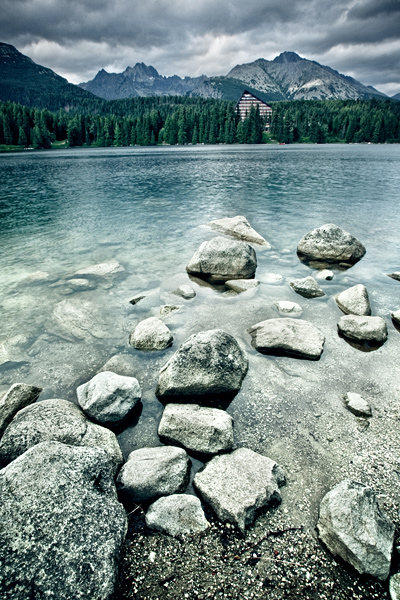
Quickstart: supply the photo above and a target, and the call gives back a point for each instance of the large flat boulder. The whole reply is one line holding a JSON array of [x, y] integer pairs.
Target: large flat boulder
[[221, 259], [352, 526], [363, 329], [151, 334], [286, 336], [153, 472], [236, 485], [208, 363], [354, 301], [108, 398], [17, 397], [332, 244], [197, 428], [55, 420], [178, 514], [240, 228], [61, 525]]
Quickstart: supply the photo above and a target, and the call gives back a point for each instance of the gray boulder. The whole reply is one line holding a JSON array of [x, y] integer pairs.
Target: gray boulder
[[107, 398], [292, 337], [200, 429], [61, 525], [55, 420], [153, 472], [237, 484], [208, 363], [178, 514], [363, 329], [185, 291], [395, 275], [221, 259], [151, 334], [18, 396], [307, 287], [105, 269], [332, 244], [242, 285], [240, 228], [353, 527], [357, 405], [289, 308], [394, 587], [354, 301], [396, 316]]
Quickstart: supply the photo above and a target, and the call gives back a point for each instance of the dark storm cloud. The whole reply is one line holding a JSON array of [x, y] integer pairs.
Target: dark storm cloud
[[78, 38]]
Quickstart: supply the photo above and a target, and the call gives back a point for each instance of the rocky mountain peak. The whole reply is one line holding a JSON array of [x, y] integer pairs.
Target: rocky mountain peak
[[141, 72], [287, 57]]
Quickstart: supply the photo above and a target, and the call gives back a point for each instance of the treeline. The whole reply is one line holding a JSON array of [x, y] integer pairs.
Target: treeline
[[138, 121], [330, 121]]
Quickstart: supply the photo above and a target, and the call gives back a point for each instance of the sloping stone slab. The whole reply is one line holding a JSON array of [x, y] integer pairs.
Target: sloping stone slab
[[200, 429], [209, 362], [61, 525], [242, 285], [151, 335], [178, 514], [55, 420], [221, 259], [353, 527], [153, 472], [307, 287], [363, 329], [240, 228], [237, 484], [291, 337], [332, 244], [108, 398], [354, 301], [17, 397]]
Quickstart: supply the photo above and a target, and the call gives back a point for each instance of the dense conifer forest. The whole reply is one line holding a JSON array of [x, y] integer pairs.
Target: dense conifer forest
[[185, 120]]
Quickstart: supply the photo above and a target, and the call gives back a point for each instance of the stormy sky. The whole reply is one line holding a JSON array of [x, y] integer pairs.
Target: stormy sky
[[76, 38]]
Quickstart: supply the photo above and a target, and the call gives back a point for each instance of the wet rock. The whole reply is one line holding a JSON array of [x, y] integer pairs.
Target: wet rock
[[185, 291], [151, 334], [168, 309], [237, 484], [353, 527], [221, 259], [81, 285], [394, 587], [307, 287], [11, 356], [396, 316], [123, 364], [108, 398], [153, 472], [240, 228], [365, 329], [55, 420], [200, 429], [332, 244], [76, 319], [209, 362], [395, 275], [178, 514], [62, 525], [325, 275], [288, 337], [272, 278], [17, 397], [105, 269], [242, 285], [38, 278], [289, 308], [357, 405], [151, 295], [354, 301]]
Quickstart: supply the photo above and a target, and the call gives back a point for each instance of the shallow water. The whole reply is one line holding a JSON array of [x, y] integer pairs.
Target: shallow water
[[147, 208]]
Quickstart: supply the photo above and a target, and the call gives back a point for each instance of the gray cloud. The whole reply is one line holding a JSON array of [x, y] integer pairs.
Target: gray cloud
[[190, 37]]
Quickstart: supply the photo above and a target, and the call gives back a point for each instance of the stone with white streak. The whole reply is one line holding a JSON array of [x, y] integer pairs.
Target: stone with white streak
[[240, 228], [178, 514], [151, 335]]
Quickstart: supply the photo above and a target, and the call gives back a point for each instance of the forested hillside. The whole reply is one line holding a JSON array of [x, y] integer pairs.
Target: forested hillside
[[184, 120]]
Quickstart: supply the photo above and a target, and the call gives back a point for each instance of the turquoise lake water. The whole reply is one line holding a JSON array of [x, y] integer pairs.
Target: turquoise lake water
[[147, 208]]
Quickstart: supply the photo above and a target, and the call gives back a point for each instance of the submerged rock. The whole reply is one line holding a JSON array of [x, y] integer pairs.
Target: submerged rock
[[272, 278], [185, 291], [150, 296], [240, 228], [289, 308], [200, 429], [364, 329], [151, 334], [38, 278], [354, 301], [237, 484], [291, 337], [81, 284], [122, 364], [208, 363], [242, 285], [169, 309], [55, 420], [153, 472], [17, 397], [307, 287], [76, 319], [357, 405], [104, 269], [62, 526], [221, 259], [332, 244], [395, 275], [11, 356], [178, 514], [353, 527], [108, 398]]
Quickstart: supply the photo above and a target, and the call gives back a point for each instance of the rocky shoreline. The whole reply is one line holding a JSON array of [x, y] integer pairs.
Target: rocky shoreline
[[257, 546]]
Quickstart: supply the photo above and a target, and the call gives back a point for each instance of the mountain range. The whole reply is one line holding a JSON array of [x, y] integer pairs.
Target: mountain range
[[287, 77]]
